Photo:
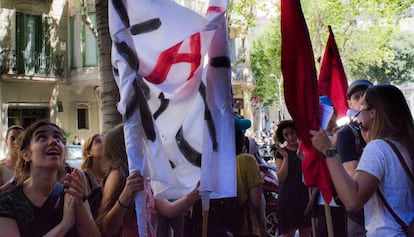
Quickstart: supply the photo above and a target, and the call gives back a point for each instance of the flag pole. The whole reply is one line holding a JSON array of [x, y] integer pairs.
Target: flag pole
[[205, 204], [328, 216], [205, 223], [313, 219]]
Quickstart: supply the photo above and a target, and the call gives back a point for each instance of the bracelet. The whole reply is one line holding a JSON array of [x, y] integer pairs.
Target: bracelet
[[122, 205]]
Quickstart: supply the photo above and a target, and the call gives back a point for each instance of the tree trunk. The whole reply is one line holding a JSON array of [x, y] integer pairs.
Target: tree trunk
[[109, 89]]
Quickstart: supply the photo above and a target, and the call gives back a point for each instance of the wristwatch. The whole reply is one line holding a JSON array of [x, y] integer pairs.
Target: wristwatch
[[330, 153]]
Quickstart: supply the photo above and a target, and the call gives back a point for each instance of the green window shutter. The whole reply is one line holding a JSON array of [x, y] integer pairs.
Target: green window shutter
[[73, 44], [32, 43], [45, 46], [90, 44], [19, 42], [46, 25]]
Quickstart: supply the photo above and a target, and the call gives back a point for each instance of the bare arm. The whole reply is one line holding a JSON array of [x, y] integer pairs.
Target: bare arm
[[114, 219], [354, 191], [255, 195], [282, 168], [173, 209], [350, 167], [85, 223], [79, 189], [8, 228], [282, 164]]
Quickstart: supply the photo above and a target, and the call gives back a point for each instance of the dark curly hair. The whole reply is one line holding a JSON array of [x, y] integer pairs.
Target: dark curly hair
[[282, 126]]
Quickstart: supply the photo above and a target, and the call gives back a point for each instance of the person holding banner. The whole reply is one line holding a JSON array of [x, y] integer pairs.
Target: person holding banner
[[388, 128], [117, 215], [293, 194], [336, 215]]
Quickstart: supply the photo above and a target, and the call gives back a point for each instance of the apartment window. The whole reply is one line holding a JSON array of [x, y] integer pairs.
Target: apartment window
[[90, 44], [73, 42], [32, 43], [24, 116], [82, 112]]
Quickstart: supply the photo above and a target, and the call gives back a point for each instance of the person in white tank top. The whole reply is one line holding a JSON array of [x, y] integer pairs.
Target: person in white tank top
[[8, 164]]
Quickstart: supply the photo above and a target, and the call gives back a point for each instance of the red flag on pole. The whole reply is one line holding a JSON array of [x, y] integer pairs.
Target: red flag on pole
[[332, 80], [301, 91]]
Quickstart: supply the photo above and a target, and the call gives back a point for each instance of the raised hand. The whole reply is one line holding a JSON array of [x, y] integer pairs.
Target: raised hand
[[134, 183], [194, 195], [68, 219], [282, 150], [320, 140], [75, 185]]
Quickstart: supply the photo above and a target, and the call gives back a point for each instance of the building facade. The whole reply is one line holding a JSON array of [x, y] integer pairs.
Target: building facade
[[48, 66]]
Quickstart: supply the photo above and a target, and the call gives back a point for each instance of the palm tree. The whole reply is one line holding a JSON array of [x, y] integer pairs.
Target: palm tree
[[109, 93]]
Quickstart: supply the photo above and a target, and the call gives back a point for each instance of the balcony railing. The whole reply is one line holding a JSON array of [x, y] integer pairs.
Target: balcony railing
[[31, 64]]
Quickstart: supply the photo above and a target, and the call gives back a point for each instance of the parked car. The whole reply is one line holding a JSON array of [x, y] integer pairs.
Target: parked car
[[74, 158]]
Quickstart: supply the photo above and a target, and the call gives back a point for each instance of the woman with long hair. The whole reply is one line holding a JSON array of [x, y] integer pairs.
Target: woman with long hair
[[40, 205], [92, 153], [386, 121], [117, 215]]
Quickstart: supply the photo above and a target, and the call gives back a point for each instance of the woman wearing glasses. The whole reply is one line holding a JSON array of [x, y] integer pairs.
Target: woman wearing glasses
[[384, 115]]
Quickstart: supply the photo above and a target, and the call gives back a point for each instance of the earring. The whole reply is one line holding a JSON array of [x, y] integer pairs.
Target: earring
[[26, 163]]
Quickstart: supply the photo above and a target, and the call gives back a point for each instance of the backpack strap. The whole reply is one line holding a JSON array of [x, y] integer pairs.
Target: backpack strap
[[51, 202], [404, 226], [357, 137], [391, 211], [402, 161]]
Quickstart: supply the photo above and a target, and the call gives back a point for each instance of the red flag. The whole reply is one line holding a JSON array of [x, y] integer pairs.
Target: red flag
[[332, 79], [301, 91]]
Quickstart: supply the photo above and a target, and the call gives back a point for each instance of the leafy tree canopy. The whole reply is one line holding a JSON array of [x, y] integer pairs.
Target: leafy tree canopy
[[366, 32], [265, 62]]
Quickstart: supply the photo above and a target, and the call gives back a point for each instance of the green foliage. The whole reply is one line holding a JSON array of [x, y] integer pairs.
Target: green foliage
[[366, 33], [265, 60], [398, 67], [362, 30]]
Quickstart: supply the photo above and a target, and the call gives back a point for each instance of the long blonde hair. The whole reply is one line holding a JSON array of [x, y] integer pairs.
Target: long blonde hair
[[393, 116], [115, 158], [87, 160]]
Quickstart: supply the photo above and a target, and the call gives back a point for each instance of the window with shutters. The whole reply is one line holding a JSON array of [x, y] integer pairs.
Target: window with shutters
[[32, 44], [26, 115], [73, 41], [89, 44], [82, 113]]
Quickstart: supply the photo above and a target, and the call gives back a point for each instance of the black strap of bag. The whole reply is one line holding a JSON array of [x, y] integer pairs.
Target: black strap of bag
[[381, 196], [52, 200], [403, 163]]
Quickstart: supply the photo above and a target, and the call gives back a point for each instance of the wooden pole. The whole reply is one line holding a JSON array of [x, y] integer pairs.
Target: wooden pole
[[328, 216], [313, 219], [205, 224]]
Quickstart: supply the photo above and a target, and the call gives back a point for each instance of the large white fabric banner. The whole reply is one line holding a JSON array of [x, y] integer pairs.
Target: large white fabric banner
[[172, 68]]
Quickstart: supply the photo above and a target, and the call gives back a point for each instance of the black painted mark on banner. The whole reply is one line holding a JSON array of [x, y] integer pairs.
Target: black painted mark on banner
[[146, 26], [190, 154]]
